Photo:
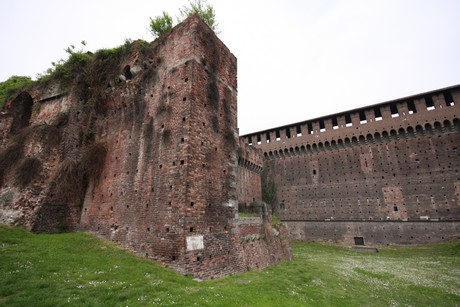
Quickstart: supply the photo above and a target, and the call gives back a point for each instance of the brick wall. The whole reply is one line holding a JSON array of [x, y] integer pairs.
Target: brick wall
[[250, 166], [145, 155], [396, 161]]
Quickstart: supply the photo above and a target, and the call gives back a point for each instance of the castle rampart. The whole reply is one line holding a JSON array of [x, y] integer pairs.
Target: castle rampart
[[368, 172]]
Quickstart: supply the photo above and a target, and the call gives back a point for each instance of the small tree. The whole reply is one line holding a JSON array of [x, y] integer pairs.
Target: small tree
[[204, 10], [161, 24]]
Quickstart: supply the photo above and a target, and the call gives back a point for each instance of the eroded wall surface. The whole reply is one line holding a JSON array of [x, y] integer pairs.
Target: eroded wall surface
[[139, 147]]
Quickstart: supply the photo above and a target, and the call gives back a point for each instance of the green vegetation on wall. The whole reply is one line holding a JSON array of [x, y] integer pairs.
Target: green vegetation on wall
[[11, 86], [163, 23]]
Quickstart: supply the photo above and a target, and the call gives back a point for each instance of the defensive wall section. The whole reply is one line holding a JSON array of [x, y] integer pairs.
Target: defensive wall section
[[382, 174], [140, 147], [250, 167]]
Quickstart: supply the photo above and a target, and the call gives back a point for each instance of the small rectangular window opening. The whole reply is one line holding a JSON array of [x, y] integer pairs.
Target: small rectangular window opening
[[429, 103], [362, 117], [411, 107], [394, 110], [378, 114], [267, 136], [448, 99], [288, 133], [277, 134], [259, 140], [359, 240], [298, 130], [249, 140], [348, 122], [322, 127], [310, 128], [335, 124]]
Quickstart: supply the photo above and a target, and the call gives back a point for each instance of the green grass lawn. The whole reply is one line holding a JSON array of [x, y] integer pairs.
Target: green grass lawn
[[79, 269]]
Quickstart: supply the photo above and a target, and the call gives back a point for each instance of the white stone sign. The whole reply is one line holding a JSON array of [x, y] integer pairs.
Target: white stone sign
[[194, 243]]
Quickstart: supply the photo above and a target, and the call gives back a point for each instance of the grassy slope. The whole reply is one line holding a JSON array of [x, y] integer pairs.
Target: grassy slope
[[78, 269]]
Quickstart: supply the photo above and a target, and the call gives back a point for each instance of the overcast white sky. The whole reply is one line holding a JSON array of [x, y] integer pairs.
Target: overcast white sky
[[297, 60]]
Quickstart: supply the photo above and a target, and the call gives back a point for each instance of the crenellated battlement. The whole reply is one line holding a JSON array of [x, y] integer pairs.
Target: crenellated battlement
[[384, 173], [429, 112]]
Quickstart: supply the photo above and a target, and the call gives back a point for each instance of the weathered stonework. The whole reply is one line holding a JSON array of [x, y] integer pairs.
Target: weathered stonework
[[388, 173], [142, 150]]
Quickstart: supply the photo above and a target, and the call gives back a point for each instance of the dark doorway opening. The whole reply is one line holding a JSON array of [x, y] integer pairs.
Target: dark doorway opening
[[359, 241]]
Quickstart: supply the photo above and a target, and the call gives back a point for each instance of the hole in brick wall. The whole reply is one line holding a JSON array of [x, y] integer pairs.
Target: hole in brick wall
[[186, 80], [395, 208], [182, 140], [183, 119], [167, 229], [170, 187], [146, 205], [127, 206], [192, 204], [174, 163], [170, 203], [111, 208], [148, 228], [314, 172], [161, 165], [182, 162], [173, 258], [191, 229], [184, 99], [198, 258], [210, 228]]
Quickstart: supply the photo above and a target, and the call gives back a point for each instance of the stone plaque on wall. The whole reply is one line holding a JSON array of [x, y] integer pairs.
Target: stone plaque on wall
[[194, 243]]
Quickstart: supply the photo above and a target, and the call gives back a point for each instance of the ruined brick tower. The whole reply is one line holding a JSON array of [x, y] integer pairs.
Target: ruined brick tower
[[148, 145], [168, 190]]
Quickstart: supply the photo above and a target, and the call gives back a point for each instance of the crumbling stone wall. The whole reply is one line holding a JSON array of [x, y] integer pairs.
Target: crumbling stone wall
[[140, 146], [395, 162]]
